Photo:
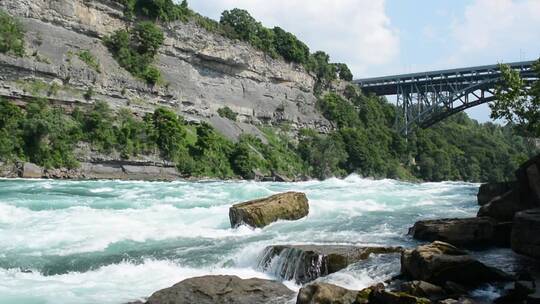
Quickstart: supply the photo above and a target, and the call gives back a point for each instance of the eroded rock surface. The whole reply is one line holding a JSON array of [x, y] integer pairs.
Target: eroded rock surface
[[203, 71]]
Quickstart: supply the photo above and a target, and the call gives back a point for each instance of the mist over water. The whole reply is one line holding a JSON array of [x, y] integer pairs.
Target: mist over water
[[117, 241]]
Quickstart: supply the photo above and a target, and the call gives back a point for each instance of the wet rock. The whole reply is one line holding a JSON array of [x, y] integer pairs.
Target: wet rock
[[440, 262], [30, 170], [525, 233], [281, 178], [460, 232], [305, 263], [424, 290], [262, 212], [223, 290], [457, 301], [323, 293], [489, 191]]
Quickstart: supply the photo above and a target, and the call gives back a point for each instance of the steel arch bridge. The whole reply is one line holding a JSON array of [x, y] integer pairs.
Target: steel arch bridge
[[423, 99]]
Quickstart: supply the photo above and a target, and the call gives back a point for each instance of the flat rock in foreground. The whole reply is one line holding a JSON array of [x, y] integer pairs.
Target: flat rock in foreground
[[305, 263], [460, 232], [441, 262], [261, 212], [223, 290]]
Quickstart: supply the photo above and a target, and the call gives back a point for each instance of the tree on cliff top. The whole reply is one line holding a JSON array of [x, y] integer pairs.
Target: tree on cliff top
[[517, 102]]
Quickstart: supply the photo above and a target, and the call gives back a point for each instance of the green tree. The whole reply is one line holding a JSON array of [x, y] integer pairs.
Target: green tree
[[10, 135], [170, 134], [289, 47], [517, 103], [344, 72]]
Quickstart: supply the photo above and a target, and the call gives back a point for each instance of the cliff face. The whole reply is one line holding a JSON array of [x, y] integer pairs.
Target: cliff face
[[203, 72]]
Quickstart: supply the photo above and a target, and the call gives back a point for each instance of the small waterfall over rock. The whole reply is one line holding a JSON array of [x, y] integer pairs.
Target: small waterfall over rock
[[305, 263], [291, 263]]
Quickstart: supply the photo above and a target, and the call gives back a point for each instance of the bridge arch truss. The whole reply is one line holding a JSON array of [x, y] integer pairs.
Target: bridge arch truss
[[423, 99]]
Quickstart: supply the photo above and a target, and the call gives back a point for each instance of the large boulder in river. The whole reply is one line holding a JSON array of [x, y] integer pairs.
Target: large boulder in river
[[441, 262], [305, 263], [526, 233], [261, 212], [475, 231], [223, 290]]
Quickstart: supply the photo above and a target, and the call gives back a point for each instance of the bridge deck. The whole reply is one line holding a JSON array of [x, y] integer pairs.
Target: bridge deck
[[440, 80]]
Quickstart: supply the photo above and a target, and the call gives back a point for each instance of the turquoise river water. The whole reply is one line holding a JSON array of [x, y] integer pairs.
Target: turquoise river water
[[118, 241]]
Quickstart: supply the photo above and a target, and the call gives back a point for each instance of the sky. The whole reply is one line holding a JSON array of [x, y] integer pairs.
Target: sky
[[387, 37]]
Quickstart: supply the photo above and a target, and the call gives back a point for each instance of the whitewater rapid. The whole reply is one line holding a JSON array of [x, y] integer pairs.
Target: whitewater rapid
[[119, 241]]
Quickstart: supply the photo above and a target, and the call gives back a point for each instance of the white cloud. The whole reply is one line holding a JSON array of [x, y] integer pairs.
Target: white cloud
[[357, 32], [498, 29]]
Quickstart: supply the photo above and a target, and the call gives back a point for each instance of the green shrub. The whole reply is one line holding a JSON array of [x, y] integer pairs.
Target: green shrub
[[11, 35], [90, 60], [135, 50], [226, 112]]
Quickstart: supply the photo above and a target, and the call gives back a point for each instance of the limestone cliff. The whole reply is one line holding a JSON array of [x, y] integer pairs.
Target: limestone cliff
[[203, 71]]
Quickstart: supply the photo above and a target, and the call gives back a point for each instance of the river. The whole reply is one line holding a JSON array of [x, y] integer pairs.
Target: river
[[118, 241]]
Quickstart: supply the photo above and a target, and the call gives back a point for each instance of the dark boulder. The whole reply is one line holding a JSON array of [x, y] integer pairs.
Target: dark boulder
[[305, 263], [528, 176], [223, 290], [526, 233], [489, 191], [504, 207], [440, 262], [460, 232], [524, 193], [261, 212]]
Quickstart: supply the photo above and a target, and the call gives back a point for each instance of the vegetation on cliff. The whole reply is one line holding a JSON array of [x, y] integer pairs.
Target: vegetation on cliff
[[135, 49], [234, 24], [11, 35]]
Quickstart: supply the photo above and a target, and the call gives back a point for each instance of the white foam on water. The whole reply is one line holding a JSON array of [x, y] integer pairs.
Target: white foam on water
[[82, 229], [116, 284]]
